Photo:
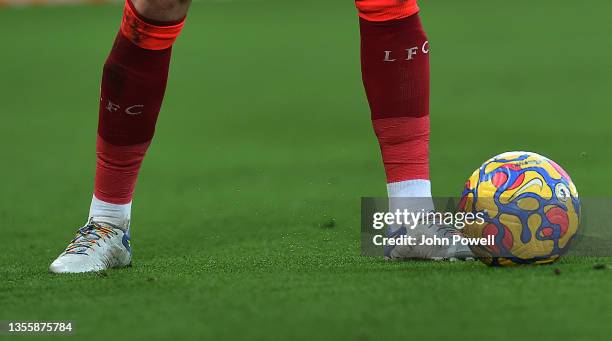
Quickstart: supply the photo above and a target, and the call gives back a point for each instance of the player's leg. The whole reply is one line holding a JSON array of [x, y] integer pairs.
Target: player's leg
[[132, 90], [395, 70]]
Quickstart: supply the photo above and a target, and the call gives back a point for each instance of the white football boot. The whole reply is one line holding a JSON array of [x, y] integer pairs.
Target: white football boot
[[97, 246], [449, 252]]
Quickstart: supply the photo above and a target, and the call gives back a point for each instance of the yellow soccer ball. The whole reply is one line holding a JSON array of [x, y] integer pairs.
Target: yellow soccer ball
[[529, 204]]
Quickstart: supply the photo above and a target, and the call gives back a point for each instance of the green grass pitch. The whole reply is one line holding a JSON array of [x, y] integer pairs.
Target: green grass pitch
[[263, 139]]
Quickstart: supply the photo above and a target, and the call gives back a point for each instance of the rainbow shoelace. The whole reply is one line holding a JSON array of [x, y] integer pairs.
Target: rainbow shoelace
[[88, 236]]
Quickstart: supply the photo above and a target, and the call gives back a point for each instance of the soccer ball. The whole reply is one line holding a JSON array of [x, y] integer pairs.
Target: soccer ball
[[528, 203]]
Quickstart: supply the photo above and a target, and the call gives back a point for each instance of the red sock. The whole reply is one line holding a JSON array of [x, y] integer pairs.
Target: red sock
[[132, 91], [395, 69]]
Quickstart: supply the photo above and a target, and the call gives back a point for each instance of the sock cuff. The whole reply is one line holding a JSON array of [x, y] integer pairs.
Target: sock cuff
[[148, 35], [416, 188], [384, 10], [117, 169], [402, 127], [117, 215], [404, 145]]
